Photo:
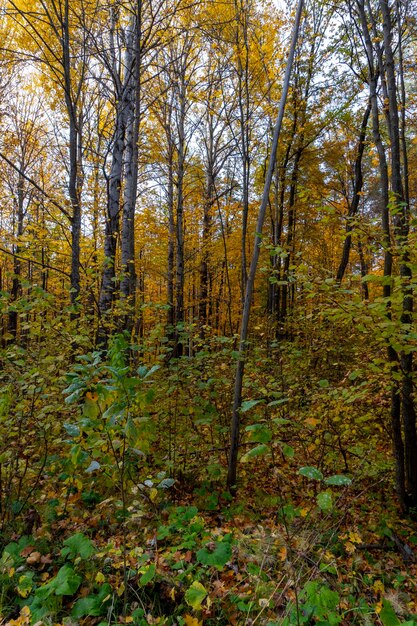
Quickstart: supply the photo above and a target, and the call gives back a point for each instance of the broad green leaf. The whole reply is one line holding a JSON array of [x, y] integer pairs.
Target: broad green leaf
[[281, 421], [324, 383], [65, 583], [339, 480], [388, 616], [25, 584], [325, 501], [259, 433], [256, 451], [76, 455], [93, 605], [287, 451], [277, 403], [311, 472], [195, 595], [248, 404], [217, 556], [166, 483], [151, 371], [74, 396], [132, 433], [72, 430], [78, 545], [148, 575]]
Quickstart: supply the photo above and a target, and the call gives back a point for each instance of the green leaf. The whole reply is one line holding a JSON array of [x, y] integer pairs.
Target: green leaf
[[259, 433], [76, 455], [388, 616], [195, 595], [65, 583], [25, 584], [256, 451], [325, 501], [281, 421], [166, 483], [132, 433], [324, 383], [148, 575], [94, 465], [91, 408], [248, 404], [277, 403], [339, 480], [287, 451], [216, 556], [78, 545], [93, 605], [311, 472], [72, 430]]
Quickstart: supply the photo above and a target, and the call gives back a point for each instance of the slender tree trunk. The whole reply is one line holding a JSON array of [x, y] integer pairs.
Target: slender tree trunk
[[401, 223], [205, 255], [16, 291], [354, 203], [179, 223], [171, 241], [364, 271], [289, 247], [243, 346], [74, 187], [392, 356]]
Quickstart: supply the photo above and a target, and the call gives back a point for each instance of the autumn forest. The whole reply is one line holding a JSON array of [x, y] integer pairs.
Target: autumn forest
[[208, 260]]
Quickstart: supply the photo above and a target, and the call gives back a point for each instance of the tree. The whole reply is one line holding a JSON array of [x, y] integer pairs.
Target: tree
[[237, 398], [50, 32]]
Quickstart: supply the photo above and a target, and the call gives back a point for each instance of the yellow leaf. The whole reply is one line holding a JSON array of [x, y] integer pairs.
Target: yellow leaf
[[189, 620], [11, 572], [172, 594], [378, 587], [354, 537], [129, 619], [100, 578], [350, 547], [282, 553], [311, 421], [153, 494], [120, 589]]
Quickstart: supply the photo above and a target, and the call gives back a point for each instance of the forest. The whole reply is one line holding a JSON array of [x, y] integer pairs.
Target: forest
[[208, 269]]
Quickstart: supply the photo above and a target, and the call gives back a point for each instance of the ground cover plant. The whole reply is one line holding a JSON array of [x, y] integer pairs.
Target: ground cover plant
[[207, 328]]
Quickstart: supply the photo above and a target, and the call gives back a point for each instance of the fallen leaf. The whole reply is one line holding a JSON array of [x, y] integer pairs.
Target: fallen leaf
[[192, 621]]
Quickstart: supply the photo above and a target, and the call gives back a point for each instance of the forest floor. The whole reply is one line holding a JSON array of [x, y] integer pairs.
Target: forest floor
[[114, 508]]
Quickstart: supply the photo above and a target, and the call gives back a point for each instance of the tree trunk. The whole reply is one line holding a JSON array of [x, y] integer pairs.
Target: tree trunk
[[401, 224], [128, 281], [243, 346], [353, 205]]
